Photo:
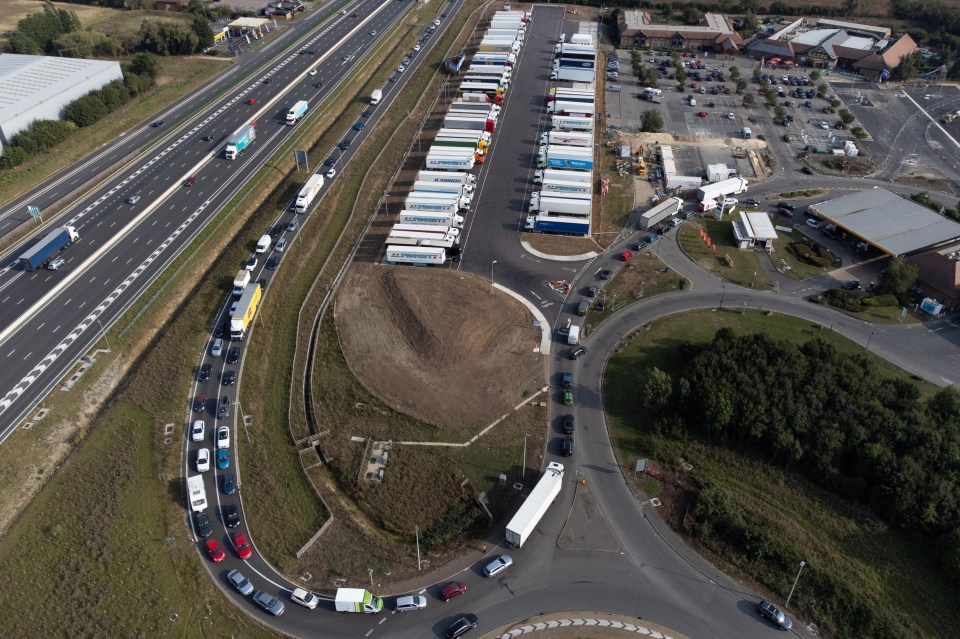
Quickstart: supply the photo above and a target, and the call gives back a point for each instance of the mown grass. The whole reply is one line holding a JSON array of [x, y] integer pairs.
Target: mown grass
[[646, 276], [885, 565], [728, 261], [799, 270]]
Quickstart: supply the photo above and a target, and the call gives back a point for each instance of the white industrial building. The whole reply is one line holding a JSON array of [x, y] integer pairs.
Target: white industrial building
[[753, 230], [36, 87]]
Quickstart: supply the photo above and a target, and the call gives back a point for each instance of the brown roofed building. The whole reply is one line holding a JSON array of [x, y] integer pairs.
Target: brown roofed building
[[873, 66], [939, 275], [714, 32]]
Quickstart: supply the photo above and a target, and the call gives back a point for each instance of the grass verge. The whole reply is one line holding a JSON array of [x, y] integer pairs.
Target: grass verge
[[727, 261]]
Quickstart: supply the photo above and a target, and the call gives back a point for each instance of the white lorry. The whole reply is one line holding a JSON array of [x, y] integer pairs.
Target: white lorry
[[443, 187], [240, 282], [562, 175], [446, 176], [297, 111], [308, 193], [197, 493], [662, 211], [535, 506], [714, 191], [357, 600], [573, 335], [376, 96], [427, 218], [568, 206], [415, 255]]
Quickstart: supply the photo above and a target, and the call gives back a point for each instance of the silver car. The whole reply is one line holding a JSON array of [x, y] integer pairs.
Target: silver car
[[774, 614], [498, 565], [241, 583], [269, 603], [411, 602]]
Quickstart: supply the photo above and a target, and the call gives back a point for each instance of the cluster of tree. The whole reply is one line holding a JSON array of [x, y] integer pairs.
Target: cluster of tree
[[925, 200], [138, 77], [174, 37], [647, 76], [38, 32], [826, 414]]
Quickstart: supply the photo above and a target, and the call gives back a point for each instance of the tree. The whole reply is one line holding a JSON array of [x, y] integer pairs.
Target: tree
[[909, 67], [734, 73], [814, 75], [748, 100], [690, 14], [822, 89], [13, 156], [899, 277], [204, 33], [835, 103], [652, 121], [656, 390], [741, 85], [144, 64], [858, 133], [845, 116]]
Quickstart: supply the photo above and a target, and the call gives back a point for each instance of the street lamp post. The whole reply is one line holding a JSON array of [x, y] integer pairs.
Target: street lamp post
[[723, 290], [105, 338], [796, 579], [491, 272]]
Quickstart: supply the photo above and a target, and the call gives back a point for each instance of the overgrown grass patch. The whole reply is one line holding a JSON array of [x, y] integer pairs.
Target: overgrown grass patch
[[727, 261]]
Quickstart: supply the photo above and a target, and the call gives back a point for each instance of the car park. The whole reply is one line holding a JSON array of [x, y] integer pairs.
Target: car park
[[199, 426], [409, 603], [204, 374], [453, 589], [229, 486], [133, 199], [273, 263], [577, 352], [568, 424], [214, 551], [269, 603], [774, 614], [566, 446], [229, 378], [304, 598], [202, 523], [203, 460], [244, 551], [239, 582], [233, 355], [231, 516], [461, 626], [498, 565], [223, 459], [190, 181], [223, 437]]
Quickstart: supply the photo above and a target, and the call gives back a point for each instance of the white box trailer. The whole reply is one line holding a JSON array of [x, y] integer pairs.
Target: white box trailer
[[567, 138], [425, 217], [570, 123], [446, 176], [566, 206], [415, 255], [431, 196], [733, 186], [561, 175], [439, 230], [576, 195], [565, 187], [572, 74], [308, 193], [662, 211], [400, 237], [535, 506], [442, 187], [446, 163]]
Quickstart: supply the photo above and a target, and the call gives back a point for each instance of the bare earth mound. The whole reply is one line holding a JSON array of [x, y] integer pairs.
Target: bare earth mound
[[437, 343]]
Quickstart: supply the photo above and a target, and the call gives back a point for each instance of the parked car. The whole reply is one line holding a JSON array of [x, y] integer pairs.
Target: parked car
[[786, 205], [199, 426], [411, 602], [461, 626], [605, 274], [807, 170], [241, 583], [568, 398], [566, 446], [453, 589], [498, 565], [269, 603], [568, 424], [244, 551], [774, 614], [202, 522]]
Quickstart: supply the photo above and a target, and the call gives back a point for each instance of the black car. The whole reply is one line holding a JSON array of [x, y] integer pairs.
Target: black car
[[605, 274], [461, 626], [199, 403], [273, 263], [229, 378], [568, 424], [366, 114], [851, 286], [276, 230], [329, 162], [233, 355], [566, 379], [577, 352], [231, 517], [806, 170], [785, 205], [202, 522], [592, 291], [566, 446], [204, 374], [223, 410]]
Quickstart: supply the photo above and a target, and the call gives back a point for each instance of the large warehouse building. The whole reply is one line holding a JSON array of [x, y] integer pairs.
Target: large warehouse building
[[898, 226], [34, 87]]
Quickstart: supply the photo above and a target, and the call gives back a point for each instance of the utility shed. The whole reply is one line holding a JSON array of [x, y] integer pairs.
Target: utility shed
[[37, 87], [754, 229], [893, 224]]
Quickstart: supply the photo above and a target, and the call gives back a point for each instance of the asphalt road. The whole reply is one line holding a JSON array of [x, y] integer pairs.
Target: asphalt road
[[52, 318]]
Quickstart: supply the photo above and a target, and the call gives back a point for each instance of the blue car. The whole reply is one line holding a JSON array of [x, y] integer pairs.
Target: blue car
[[223, 459], [229, 487], [359, 126]]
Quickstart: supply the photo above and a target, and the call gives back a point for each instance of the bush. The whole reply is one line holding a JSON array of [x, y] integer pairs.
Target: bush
[[13, 156], [881, 300]]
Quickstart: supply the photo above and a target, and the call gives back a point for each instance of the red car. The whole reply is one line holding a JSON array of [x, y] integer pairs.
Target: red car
[[215, 551], [252, 101], [626, 256], [453, 589], [356, 15], [240, 543], [702, 114], [190, 181]]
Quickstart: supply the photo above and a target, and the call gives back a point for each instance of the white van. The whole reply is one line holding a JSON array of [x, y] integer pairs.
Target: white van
[[652, 91], [692, 101], [264, 244]]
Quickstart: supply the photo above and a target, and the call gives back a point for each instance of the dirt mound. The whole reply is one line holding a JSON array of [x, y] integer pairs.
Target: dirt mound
[[437, 343]]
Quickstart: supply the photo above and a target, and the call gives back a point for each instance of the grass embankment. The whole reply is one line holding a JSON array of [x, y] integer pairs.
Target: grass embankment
[[883, 565], [105, 543], [728, 261]]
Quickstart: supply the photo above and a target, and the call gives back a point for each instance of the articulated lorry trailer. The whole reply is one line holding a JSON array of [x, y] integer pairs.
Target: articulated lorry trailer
[[559, 175], [557, 205], [462, 201], [239, 141], [436, 230], [567, 138], [558, 224], [297, 111], [573, 74], [535, 506], [447, 177], [357, 600], [308, 193], [240, 282], [415, 255], [432, 206], [427, 218], [536, 195], [456, 143], [569, 123], [504, 59], [417, 238], [571, 109], [471, 122], [452, 188], [733, 186], [566, 187], [242, 317], [52, 243], [446, 163], [662, 211]]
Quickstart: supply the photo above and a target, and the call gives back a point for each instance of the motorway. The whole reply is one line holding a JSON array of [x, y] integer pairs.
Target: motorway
[[52, 318]]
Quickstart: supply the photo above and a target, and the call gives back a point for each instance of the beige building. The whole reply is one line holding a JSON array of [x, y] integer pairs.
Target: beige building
[[713, 33]]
